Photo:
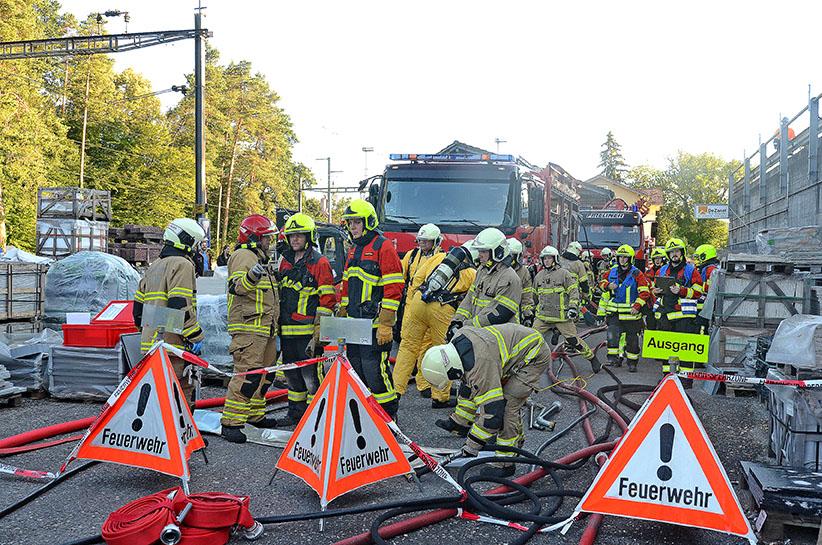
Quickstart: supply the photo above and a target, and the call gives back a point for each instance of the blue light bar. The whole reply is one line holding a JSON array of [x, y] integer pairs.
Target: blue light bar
[[452, 157]]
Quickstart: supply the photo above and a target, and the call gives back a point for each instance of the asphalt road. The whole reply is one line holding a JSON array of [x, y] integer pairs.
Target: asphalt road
[[77, 508]]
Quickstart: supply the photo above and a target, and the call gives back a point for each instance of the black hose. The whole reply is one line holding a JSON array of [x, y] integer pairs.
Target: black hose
[[45, 488]]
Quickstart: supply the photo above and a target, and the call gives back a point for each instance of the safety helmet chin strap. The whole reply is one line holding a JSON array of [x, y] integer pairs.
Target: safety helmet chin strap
[[183, 247]]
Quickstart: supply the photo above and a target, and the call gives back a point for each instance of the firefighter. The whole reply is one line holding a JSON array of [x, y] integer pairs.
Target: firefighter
[[372, 289], [306, 294], [429, 240], [492, 299], [605, 262], [658, 259], [677, 305], [170, 282], [526, 303], [500, 365], [435, 292], [571, 260], [253, 312], [629, 292], [708, 263], [558, 306]]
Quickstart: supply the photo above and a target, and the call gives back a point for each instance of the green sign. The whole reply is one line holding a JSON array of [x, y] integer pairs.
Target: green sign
[[662, 345]]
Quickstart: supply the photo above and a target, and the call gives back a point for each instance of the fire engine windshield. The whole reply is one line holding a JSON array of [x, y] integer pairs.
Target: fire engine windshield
[[448, 202], [611, 236]]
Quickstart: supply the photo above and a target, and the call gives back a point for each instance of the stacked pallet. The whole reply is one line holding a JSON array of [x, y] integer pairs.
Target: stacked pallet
[[71, 220], [140, 245], [22, 287]]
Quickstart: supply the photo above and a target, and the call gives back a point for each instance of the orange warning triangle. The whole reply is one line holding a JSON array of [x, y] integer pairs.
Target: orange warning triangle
[[147, 423], [665, 469], [341, 443]]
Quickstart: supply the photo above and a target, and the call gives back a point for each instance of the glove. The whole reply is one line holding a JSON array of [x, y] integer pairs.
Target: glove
[[342, 312], [314, 341], [257, 272], [471, 448], [452, 330], [528, 320], [197, 348], [385, 329], [572, 313]]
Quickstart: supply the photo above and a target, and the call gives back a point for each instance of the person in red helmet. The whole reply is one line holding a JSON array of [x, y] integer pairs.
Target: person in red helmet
[[253, 313]]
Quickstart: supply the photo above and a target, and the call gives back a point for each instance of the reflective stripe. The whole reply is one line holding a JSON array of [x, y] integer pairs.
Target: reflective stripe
[[533, 338], [394, 278], [462, 413], [250, 328], [326, 290], [503, 350], [307, 329], [297, 396], [480, 433], [390, 304], [507, 303], [475, 321], [489, 396], [324, 311], [462, 312]]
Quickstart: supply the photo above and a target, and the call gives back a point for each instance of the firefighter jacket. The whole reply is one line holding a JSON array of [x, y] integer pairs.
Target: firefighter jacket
[[632, 291], [493, 297], [556, 291], [651, 273], [170, 283], [306, 291], [499, 352], [253, 307], [453, 292], [526, 302], [683, 304], [372, 278], [576, 267], [706, 271]]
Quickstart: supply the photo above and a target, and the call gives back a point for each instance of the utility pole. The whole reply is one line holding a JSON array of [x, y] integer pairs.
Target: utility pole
[[199, 119], [499, 141], [366, 150], [85, 124], [330, 172]]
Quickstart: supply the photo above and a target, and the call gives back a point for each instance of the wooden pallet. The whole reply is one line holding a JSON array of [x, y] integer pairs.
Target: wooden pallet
[[774, 523], [39, 393], [13, 400], [798, 374], [740, 390]]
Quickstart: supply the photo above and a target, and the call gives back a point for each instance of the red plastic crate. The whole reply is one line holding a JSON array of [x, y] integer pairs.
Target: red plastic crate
[[95, 335]]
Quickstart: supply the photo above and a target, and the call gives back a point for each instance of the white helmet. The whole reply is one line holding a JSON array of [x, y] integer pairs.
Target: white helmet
[[515, 246], [586, 256], [472, 249], [184, 233], [574, 248], [493, 240], [429, 231], [549, 251], [436, 363], [606, 253]]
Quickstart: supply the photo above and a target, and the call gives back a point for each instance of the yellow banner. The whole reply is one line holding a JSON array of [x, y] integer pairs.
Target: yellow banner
[[662, 345]]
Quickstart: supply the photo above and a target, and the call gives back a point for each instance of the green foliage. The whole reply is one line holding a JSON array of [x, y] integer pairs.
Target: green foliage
[[689, 179], [610, 159]]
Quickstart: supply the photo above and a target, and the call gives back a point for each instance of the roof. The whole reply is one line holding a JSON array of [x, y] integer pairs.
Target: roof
[[460, 147]]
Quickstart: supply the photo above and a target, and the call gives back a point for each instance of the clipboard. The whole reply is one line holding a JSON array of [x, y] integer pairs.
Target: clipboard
[[664, 282]]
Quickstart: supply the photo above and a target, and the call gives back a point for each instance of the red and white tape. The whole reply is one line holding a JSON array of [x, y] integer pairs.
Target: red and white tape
[[736, 379]]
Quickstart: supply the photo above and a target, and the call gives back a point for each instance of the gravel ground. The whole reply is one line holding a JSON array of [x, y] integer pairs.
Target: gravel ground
[[76, 508]]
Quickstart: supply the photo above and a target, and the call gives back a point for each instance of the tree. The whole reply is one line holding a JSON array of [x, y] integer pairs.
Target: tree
[[610, 159], [689, 179]]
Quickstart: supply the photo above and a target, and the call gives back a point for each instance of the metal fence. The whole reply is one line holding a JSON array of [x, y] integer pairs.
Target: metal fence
[[781, 189]]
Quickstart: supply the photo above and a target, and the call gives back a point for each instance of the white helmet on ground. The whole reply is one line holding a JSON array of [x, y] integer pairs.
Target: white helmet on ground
[[184, 233], [493, 240], [515, 246], [429, 231], [574, 248], [436, 363]]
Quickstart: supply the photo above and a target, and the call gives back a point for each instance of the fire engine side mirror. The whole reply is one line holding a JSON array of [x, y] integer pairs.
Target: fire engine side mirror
[[536, 206], [374, 194]]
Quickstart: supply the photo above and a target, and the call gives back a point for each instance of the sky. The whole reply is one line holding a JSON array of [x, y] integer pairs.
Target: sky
[[548, 78]]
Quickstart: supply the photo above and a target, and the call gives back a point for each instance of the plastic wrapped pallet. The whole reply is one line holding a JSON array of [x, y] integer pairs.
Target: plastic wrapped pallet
[[212, 312], [795, 424], [779, 240], [84, 373], [798, 342], [26, 357], [57, 238], [87, 282]]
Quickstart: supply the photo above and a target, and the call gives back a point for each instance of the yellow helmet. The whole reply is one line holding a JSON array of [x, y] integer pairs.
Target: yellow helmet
[[360, 208], [658, 252], [301, 223], [675, 244], [625, 251], [705, 252]]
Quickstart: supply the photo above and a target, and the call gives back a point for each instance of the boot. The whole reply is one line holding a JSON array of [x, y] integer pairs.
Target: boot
[[596, 365], [632, 366], [614, 361], [267, 422], [554, 337], [505, 471], [447, 404], [452, 427], [426, 393], [233, 434]]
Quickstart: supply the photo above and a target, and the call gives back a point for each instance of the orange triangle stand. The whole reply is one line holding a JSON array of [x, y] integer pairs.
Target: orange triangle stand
[[665, 469], [340, 444]]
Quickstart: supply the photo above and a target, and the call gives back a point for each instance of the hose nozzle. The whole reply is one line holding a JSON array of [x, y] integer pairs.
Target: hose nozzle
[[254, 532], [170, 535]]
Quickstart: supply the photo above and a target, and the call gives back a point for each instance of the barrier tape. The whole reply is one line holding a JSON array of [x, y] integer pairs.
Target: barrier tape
[[200, 362], [467, 515], [736, 379]]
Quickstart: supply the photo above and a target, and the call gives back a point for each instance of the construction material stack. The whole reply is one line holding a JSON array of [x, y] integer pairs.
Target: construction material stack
[[72, 219], [140, 245], [22, 287]]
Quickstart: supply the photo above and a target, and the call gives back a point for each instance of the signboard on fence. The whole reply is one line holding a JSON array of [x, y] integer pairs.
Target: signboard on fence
[[711, 211]]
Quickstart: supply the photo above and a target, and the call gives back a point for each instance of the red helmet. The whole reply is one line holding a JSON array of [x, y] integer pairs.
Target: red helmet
[[254, 227]]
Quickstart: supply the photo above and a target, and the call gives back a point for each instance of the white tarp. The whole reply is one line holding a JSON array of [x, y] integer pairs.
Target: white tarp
[[797, 343], [20, 256]]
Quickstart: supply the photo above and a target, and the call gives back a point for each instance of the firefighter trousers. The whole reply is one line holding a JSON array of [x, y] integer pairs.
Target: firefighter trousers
[[245, 399], [680, 325], [616, 328], [370, 362], [424, 325], [568, 329], [302, 382]]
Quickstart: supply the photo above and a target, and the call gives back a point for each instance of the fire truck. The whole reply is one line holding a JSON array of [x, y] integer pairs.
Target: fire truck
[[612, 226], [464, 193]]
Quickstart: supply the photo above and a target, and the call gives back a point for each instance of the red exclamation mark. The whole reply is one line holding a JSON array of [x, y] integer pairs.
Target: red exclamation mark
[[142, 401]]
